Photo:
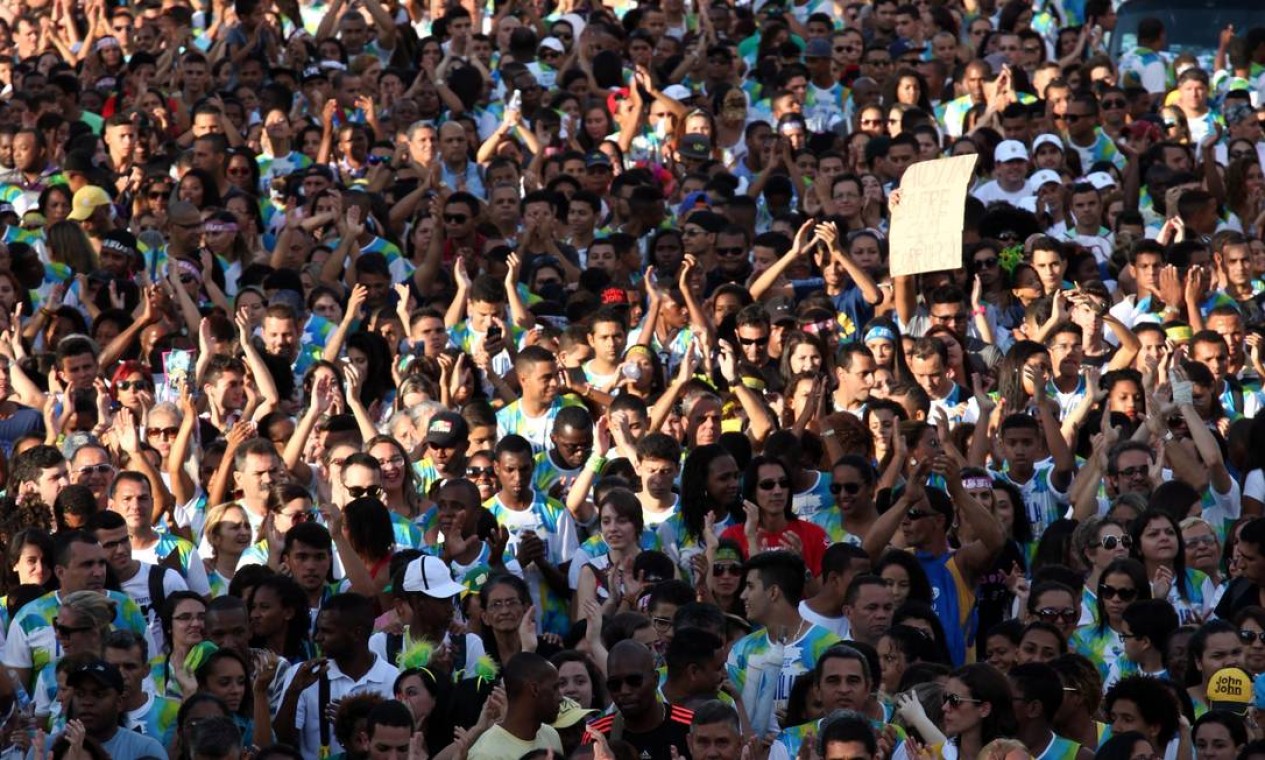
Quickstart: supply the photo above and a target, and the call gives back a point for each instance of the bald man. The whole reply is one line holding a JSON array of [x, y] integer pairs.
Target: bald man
[[531, 688], [459, 172], [653, 727]]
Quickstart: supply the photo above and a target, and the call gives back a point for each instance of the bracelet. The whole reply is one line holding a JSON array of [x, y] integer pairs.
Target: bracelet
[[979, 311], [595, 464]]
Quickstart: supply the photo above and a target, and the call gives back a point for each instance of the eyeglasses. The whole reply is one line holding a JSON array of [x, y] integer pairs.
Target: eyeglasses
[[957, 700], [1138, 470], [504, 604], [634, 681], [480, 472], [1235, 154], [737, 251], [95, 469], [1050, 614], [851, 488], [661, 623], [986, 263], [1201, 541], [189, 617], [769, 484], [754, 341], [395, 461], [917, 514], [126, 385], [67, 630], [358, 492], [1111, 592], [306, 515], [1111, 542], [726, 568], [1247, 637], [110, 546], [167, 432], [456, 218]]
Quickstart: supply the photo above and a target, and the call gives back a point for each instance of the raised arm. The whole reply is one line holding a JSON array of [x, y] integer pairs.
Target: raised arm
[[864, 282], [518, 310], [766, 282], [258, 370], [334, 346]]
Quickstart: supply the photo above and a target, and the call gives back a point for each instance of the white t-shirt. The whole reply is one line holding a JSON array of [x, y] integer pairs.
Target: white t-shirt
[[991, 191], [137, 587]]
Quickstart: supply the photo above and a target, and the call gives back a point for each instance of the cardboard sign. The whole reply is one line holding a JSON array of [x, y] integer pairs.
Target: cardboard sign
[[926, 232]]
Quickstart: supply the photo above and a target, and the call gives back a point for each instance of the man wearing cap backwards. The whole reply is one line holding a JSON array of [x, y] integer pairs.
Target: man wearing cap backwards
[[1010, 175], [425, 601], [531, 687], [447, 442], [349, 666], [96, 689], [924, 515]]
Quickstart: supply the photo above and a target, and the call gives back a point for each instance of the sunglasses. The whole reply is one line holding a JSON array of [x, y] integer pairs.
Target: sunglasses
[[986, 263], [167, 432], [726, 568], [1247, 637], [67, 630], [634, 681], [754, 341], [1241, 154], [307, 515], [1072, 118], [851, 488], [917, 514], [95, 469], [456, 218], [480, 472], [1123, 594], [1113, 103], [1066, 614], [357, 492], [1111, 542], [730, 251], [771, 483], [155, 195], [127, 385], [957, 700]]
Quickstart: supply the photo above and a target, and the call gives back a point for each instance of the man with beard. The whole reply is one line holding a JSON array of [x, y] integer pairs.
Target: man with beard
[[652, 727]]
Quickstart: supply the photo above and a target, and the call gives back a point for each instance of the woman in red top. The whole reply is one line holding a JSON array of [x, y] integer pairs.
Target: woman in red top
[[771, 524]]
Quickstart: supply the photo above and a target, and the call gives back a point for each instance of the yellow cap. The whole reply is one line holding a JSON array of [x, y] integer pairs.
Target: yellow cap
[[86, 200]]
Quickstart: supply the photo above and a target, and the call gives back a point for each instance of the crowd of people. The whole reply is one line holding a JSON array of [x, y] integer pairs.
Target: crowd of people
[[385, 379]]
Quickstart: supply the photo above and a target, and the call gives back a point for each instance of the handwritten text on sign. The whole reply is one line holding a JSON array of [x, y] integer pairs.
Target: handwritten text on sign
[[926, 233]]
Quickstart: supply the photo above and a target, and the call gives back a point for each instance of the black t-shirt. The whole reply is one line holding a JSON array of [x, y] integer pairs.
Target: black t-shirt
[[655, 744]]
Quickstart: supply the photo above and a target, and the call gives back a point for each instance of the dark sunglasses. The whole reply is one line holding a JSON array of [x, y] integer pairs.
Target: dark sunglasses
[[307, 515], [456, 218], [1247, 637], [986, 263], [769, 484], [917, 514], [754, 341], [851, 488], [1111, 592], [126, 385], [357, 492], [67, 630], [95, 469], [729, 568], [1050, 614], [1115, 103], [1111, 542], [479, 472], [155, 195], [957, 700], [738, 251], [167, 432], [1072, 118], [634, 681]]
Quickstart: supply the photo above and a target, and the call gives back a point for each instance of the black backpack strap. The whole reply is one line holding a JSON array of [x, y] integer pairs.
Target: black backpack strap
[[459, 647], [395, 642], [322, 703], [157, 592]]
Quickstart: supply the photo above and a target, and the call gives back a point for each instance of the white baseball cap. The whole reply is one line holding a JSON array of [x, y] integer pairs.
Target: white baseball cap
[[678, 92], [1010, 150], [552, 43], [1048, 139], [1101, 180], [1043, 177], [430, 576]]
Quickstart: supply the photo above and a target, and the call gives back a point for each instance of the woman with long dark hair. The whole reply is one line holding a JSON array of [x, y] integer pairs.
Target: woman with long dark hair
[[279, 618], [978, 708], [904, 576], [1121, 583], [1158, 544], [710, 495], [771, 522]]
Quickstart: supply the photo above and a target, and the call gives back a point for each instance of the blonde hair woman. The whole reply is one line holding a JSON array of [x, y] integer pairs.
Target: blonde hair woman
[[228, 533]]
